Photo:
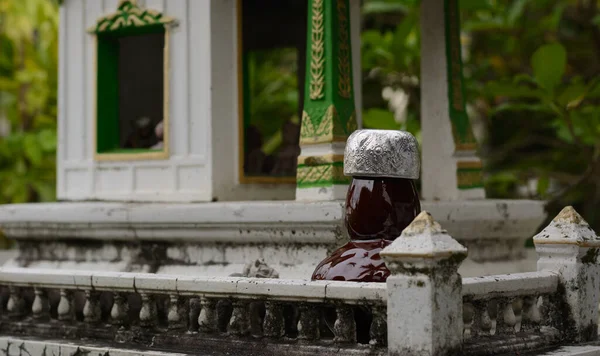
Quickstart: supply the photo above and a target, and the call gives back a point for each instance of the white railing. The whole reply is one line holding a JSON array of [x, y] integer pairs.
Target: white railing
[[424, 308], [236, 306], [506, 303]]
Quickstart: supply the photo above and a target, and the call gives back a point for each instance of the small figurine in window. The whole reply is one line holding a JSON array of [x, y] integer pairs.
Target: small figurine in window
[[287, 158], [159, 132], [142, 135]]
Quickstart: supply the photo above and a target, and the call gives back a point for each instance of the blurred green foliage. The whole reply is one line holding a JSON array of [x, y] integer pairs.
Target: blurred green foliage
[[28, 99], [272, 97], [531, 70]]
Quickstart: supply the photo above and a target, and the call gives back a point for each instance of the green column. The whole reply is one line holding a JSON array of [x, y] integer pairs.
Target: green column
[[469, 170], [328, 117]]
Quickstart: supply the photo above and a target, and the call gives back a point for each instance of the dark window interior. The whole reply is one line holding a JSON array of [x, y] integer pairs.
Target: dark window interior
[[274, 55], [141, 82]]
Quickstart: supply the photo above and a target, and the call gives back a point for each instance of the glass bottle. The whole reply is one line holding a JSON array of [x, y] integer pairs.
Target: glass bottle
[[381, 201]]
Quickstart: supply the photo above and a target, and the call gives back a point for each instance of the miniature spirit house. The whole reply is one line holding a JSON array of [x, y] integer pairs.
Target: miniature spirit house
[[160, 100]]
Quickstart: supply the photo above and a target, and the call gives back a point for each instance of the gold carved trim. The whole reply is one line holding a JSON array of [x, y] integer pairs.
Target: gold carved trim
[[240, 95], [317, 48], [129, 14], [326, 174], [469, 165], [242, 178], [151, 155], [268, 180], [469, 179], [471, 145], [455, 58], [318, 160], [344, 82], [327, 131]]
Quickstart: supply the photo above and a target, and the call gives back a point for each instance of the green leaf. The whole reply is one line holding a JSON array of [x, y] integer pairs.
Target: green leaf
[[572, 95], [516, 11], [542, 186], [47, 140], [32, 150], [45, 190], [378, 7], [549, 63], [512, 91], [521, 108], [379, 119]]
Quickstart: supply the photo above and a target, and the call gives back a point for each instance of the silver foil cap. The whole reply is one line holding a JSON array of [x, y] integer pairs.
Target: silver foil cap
[[382, 153]]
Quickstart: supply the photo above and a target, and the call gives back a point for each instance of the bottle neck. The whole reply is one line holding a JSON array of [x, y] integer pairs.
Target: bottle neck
[[379, 207]]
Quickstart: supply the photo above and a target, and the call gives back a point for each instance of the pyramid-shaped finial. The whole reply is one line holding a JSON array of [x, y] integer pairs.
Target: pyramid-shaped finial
[[423, 223], [424, 238], [568, 227], [569, 216]]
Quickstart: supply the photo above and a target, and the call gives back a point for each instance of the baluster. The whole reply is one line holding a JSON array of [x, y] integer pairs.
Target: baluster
[[506, 320], [308, 325], [16, 304], [531, 314], [274, 323], [177, 312], [148, 313], [345, 325], [518, 310], [207, 320], [468, 317], [40, 307], [482, 323], [91, 309], [378, 330], [239, 323], [66, 309], [193, 314], [255, 319], [119, 311]]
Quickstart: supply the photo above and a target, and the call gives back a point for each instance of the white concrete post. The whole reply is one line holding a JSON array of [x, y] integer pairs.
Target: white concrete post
[[570, 247], [424, 291], [451, 170]]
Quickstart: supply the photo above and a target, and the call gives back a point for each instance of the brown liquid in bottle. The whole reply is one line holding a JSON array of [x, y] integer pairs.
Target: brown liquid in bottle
[[377, 210]]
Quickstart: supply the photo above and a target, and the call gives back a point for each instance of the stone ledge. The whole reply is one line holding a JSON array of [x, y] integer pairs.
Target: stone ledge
[[250, 222]]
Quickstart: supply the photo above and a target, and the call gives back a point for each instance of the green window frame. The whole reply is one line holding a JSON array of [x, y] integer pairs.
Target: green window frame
[[128, 20]]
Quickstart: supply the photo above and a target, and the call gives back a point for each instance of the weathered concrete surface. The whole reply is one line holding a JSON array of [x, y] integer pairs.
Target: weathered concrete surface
[[425, 299], [220, 238], [570, 248]]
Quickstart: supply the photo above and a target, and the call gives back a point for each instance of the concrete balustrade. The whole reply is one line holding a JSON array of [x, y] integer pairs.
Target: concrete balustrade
[[425, 308]]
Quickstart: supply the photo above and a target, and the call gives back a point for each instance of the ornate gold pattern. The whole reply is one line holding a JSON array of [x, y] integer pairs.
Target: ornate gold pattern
[[344, 84], [469, 179], [321, 175], [469, 174], [469, 165], [317, 62], [129, 14], [319, 160], [352, 125], [327, 131]]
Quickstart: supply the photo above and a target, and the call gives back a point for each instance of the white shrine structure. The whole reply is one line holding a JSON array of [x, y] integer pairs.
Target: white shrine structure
[[166, 189]]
